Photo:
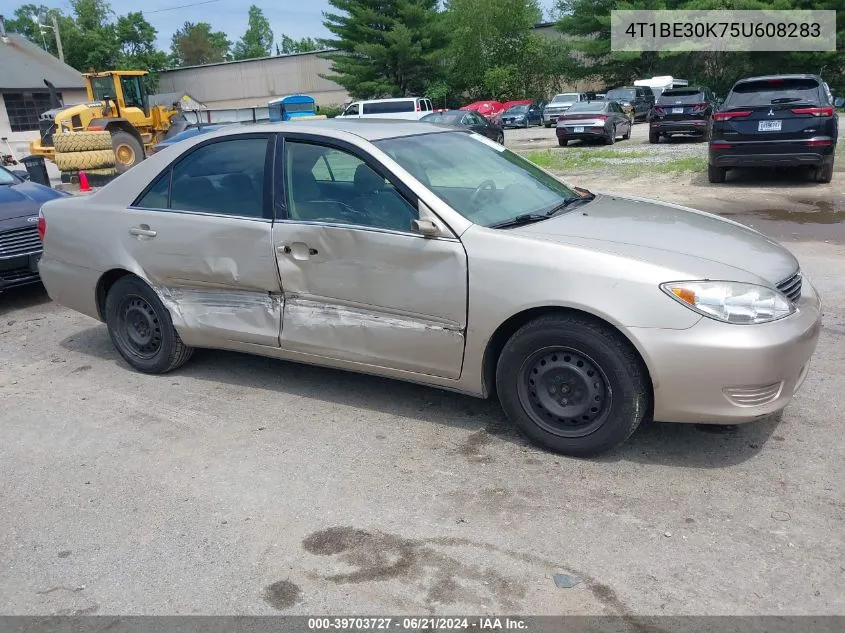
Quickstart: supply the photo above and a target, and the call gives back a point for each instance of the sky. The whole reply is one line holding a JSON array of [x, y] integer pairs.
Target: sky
[[296, 18]]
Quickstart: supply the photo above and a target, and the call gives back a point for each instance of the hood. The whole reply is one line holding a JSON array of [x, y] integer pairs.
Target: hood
[[24, 199], [671, 236]]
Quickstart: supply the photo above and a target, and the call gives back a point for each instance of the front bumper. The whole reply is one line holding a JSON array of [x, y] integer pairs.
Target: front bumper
[[718, 373], [772, 154]]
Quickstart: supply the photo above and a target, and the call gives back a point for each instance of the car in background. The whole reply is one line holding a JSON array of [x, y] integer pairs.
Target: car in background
[[488, 109], [593, 121], [20, 246], [423, 253], [190, 132], [775, 121], [839, 103], [523, 115], [682, 111], [559, 104], [412, 108], [468, 120], [633, 99]]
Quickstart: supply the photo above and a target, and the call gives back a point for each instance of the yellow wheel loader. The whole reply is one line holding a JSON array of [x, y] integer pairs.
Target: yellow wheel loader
[[117, 117]]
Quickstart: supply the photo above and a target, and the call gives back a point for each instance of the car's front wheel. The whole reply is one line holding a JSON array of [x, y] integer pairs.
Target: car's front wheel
[[572, 385], [141, 329]]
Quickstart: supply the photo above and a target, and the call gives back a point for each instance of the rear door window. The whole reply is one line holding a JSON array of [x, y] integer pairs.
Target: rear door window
[[774, 91]]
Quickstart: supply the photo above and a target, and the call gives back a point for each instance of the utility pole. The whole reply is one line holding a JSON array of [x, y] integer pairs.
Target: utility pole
[[58, 37]]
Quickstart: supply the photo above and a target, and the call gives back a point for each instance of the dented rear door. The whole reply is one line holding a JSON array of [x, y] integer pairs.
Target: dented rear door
[[201, 235], [359, 285]]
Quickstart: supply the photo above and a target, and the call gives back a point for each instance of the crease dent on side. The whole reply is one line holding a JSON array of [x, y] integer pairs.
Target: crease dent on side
[[253, 314]]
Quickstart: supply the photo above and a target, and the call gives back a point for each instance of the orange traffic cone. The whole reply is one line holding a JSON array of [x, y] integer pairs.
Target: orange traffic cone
[[83, 182]]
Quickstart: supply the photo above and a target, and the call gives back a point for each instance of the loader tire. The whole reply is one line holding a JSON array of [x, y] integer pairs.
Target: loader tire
[[128, 152], [102, 172], [82, 141], [85, 160]]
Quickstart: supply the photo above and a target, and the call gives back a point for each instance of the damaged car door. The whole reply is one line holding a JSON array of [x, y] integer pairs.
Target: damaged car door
[[360, 283], [201, 234]]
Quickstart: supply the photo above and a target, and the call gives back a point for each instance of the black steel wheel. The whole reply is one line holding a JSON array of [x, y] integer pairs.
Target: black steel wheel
[[572, 384], [564, 391], [141, 329]]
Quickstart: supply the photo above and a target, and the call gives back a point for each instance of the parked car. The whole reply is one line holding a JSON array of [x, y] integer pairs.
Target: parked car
[[424, 253], [20, 248], [593, 121], [633, 99], [190, 132], [839, 103], [682, 111], [470, 120], [522, 116], [559, 104], [775, 121], [413, 108]]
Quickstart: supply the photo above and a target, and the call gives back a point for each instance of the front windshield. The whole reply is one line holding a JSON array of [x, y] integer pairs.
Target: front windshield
[[102, 87], [6, 178], [565, 97], [621, 94], [481, 180], [520, 109]]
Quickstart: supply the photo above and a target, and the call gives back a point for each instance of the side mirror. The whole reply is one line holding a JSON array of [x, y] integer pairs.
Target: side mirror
[[427, 228]]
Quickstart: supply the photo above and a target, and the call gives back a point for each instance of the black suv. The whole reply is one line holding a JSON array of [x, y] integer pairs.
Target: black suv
[[633, 99], [778, 120], [686, 110]]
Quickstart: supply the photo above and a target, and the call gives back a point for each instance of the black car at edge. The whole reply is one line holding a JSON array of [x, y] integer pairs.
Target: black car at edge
[[775, 121], [20, 246]]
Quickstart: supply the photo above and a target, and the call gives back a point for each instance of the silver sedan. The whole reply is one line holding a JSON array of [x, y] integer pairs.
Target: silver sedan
[[437, 256]]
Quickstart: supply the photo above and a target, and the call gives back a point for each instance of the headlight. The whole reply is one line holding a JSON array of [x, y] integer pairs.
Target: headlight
[[731, 302]]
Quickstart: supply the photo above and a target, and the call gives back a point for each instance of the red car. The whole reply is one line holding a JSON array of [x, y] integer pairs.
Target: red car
[[490, 109]]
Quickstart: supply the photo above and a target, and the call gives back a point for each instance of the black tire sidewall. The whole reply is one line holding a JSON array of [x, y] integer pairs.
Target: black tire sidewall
[[159, 363], [629, 395]]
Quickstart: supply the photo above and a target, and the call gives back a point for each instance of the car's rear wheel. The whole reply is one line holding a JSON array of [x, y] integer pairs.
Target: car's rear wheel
[[141, 329], [653, 137], [562, 142], [824, 173], [716, 174], [610, 139], [627, 134], [501, 138], [572, 385]]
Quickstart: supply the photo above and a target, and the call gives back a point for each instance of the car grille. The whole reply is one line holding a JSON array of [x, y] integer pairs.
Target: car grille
[[791, 287], [19, 242], [753, 396]]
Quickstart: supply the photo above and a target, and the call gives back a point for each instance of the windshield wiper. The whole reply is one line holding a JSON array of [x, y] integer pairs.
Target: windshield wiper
[[520, 220], [569, 202]]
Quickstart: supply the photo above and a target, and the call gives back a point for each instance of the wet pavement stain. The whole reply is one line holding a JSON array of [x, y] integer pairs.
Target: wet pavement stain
[[64, 553], [282, 595]]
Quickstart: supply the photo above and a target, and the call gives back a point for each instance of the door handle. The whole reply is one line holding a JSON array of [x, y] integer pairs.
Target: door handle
[[142, 231]]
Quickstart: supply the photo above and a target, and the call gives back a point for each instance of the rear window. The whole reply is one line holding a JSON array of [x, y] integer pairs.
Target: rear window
[[592, 106], [681, 96], [622, 93], [385, 107], [769, 91]]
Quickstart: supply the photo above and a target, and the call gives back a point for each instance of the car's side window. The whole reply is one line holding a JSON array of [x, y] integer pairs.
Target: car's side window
[[158, 194], [325, 184], [226, 177]]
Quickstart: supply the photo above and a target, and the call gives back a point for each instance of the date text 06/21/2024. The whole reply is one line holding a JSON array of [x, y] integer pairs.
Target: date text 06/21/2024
[[415, 624]]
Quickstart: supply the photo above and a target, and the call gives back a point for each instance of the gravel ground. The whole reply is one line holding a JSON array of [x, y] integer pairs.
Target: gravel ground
[[251, 486]]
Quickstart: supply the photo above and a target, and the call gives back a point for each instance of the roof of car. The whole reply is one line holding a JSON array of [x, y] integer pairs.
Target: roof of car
[[372, 129], [769, 77]]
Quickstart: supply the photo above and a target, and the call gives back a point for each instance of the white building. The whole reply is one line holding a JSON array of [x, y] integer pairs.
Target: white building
[[23, 94]]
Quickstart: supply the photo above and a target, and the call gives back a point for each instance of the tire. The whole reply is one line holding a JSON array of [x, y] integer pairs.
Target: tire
[[611, 138], [824, 173], [501, 139], [81, 141], [128, 151], [156, 348], [627, 135], [576, 354], [548, 125], [563, 142], [716, 174], [74, 161], [104, 171], [653, 137]]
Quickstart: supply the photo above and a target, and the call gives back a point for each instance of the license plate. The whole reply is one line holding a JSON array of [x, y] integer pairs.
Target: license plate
[[677, 110], [578, 130], [33, 262], [769, 126]]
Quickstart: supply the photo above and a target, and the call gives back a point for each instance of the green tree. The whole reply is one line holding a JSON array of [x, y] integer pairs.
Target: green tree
[[258, 39], [387, 47], [88, 37], [25, 22], [288, 45], [196, 43], [137, 47]]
